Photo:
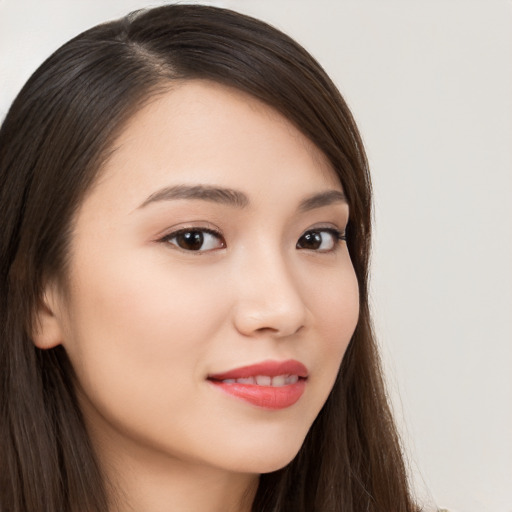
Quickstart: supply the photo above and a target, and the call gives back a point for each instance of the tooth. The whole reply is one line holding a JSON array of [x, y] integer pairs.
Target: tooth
[[292, 379], [246, 380], [279, 381], [263, 380]]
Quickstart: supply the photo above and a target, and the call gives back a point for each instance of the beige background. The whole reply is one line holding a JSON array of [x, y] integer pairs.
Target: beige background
[[430, 84]]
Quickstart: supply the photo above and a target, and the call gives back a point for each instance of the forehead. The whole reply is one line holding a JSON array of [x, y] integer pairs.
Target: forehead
[[199, 131]]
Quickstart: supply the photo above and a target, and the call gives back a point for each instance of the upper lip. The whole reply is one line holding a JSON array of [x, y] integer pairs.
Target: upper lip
[[270, 368]]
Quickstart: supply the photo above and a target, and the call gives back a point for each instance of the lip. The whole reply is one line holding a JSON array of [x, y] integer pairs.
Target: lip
[[270, 368], [266, 397]]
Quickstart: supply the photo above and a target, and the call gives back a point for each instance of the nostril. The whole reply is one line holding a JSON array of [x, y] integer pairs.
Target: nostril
[[283, 331], [266, 329]]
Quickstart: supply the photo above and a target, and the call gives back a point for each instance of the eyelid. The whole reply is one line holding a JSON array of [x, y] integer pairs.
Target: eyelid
[[179, 231], [332, 228], [188, 226]]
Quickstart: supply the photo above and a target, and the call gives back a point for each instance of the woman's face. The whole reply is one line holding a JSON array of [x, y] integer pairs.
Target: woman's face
[[212, 242]]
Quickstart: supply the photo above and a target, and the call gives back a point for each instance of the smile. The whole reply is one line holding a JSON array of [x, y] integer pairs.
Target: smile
[[269, 385]]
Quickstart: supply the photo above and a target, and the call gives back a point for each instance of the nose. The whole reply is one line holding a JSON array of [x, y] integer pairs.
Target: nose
[[268, 298]]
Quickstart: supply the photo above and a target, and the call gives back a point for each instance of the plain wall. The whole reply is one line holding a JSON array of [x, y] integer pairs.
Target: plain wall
[[430, 84]]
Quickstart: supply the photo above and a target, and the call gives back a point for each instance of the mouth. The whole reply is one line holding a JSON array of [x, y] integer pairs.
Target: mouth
[[265, 380], [269, 384]]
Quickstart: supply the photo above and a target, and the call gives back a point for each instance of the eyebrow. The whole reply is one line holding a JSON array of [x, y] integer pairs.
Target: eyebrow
[[237, 198], [322, 199], [220, 195]]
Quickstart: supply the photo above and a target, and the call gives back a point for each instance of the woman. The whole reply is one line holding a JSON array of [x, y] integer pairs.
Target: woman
[[184, 298]]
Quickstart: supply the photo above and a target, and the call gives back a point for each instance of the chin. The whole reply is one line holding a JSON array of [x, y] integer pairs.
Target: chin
[[275, 464], [266, 459]]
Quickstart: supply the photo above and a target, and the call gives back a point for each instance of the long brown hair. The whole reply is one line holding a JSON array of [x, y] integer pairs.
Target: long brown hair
[[52, 144]]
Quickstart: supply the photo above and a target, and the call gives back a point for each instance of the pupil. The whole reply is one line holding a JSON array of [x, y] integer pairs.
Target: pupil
[[191, 240], [312, 241]]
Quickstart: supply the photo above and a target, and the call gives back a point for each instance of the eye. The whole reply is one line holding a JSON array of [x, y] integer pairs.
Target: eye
[[197, 240], [322, 240]]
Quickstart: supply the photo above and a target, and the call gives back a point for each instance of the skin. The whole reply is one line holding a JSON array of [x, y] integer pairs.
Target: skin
[[145, 321]]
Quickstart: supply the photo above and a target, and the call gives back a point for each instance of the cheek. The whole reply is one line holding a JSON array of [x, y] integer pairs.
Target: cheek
[[133, 300], [331, 295], [133, 330], [335, 301], [335, 308]]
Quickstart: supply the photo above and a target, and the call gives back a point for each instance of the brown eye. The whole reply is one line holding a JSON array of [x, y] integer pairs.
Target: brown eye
[[322, 240], [198, 240]]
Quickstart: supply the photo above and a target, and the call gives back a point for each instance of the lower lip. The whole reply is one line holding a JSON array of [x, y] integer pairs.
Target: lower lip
[[267, 397]]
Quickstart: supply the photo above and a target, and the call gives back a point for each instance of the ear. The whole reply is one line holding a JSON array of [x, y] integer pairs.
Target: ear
[[47, 330]]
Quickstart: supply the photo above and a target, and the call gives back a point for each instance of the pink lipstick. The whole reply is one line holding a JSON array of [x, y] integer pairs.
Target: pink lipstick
[[269, 384]]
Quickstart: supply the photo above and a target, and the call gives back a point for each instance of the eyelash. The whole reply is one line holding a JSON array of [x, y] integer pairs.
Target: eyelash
[[338, 236], [175, 234]]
